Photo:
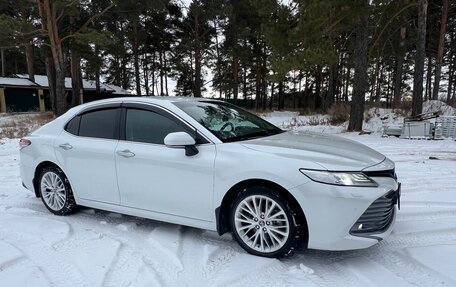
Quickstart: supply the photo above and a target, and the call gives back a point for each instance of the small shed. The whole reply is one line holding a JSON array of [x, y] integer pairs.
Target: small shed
[[20, 95]]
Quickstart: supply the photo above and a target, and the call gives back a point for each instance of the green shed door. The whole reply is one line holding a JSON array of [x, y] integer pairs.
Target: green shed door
[[22, 100]]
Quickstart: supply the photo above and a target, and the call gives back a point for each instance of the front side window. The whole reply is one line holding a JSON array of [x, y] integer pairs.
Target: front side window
[[228, 122], [99, 124], [149, 127]]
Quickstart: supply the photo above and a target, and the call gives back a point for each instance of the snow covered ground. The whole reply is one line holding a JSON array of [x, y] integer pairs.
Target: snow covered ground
[[374, 119], [98, 248]]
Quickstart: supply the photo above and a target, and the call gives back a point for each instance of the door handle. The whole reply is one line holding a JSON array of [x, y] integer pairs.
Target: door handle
[[125, 153], [66, 146]]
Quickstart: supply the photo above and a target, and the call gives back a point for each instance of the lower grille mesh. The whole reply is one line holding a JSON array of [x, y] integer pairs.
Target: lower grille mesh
[[377, 217]]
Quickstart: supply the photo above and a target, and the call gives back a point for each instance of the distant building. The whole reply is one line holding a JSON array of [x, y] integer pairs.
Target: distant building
[[20, 94]]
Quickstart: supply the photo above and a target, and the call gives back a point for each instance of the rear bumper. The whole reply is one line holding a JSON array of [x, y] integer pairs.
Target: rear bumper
[[27, 174], [332, 211]]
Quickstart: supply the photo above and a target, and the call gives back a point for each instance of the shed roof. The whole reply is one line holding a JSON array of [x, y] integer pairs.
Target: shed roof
[[42, 80], [4, 81]]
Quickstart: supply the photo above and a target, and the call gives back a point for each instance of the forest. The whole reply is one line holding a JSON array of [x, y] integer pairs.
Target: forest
[[355, 53]]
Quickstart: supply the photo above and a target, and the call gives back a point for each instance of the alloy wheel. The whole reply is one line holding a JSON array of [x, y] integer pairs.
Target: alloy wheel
[[261, 223], [53, 191]]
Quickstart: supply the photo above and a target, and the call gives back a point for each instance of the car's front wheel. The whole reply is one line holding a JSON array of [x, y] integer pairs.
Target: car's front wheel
[[56, 191], [264, 223]]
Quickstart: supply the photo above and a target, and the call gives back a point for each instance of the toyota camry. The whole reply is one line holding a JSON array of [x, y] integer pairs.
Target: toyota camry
[[211, 165]]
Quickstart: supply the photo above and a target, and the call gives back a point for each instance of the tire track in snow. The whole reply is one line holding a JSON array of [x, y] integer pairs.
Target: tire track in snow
[[55, 268], [148, 258], [424, 211], [327, 268], [405, 267], [59, 249]]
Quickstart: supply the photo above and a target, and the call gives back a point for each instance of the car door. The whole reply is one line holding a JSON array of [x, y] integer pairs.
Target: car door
[[86, 149], [154, 177]]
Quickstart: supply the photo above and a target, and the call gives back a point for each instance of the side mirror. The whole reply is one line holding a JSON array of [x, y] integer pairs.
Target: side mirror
[[182, 139]]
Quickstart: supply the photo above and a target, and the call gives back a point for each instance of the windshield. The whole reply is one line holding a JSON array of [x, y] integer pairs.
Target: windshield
[[228, 122]]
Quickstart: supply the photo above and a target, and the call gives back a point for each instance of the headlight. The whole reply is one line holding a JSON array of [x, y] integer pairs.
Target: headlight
[[339, 178]]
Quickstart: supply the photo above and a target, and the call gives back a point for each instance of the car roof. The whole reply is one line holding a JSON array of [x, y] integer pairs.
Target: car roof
[[156, 99]]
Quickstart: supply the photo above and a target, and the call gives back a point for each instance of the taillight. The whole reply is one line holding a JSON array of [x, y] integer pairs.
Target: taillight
[[24, 143]]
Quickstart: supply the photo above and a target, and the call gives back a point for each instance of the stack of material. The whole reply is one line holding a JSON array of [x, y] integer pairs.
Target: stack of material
[[417, 130], [392, 130], [420, 126], [445, 127], [424, 116]]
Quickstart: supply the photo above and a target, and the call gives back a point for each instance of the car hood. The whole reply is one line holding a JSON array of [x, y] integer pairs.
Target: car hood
[[330, 152]]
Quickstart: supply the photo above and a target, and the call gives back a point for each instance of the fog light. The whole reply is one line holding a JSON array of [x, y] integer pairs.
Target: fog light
[[360, 226]]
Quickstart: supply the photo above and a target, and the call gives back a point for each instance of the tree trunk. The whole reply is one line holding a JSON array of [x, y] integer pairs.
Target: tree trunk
[[244, 83], [318, 79], [146, 75], [452, 69], [281, 96], [347, 84], [153, 73], [217, 54], [272, 96], [97, 71], [333, 70], [61, 94], [450, 82], [76, 78], [48, 13], [397, 97], [125, 78], [235, 71], [118, 76], [257, 85], [389, 90], [166, 74], [438, 66], [378, 89], [30, 61], [417, 99], [136, 55], [2, 54], [197, 84], [161, 73], [375, 81], [398, 82], [50, 72], [28, 47], [16, 67], [340, 80], [264, 71], [360, 78], [428, 88]]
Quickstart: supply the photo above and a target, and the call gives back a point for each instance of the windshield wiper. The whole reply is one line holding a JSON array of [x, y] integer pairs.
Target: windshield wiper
[[254, 135]]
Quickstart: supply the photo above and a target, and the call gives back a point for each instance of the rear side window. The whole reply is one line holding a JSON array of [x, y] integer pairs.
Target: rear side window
[[149, 127], [73, 126], [100, 124]]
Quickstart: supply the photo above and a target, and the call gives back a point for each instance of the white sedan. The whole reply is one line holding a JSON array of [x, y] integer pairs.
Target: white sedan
[[212, 165]]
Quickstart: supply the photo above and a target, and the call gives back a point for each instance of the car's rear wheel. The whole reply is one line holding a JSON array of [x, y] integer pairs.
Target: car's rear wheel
[[264, 223], [56, 192]]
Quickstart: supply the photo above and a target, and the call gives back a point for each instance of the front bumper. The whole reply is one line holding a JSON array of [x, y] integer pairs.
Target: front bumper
[[332, 212], [379, 216]]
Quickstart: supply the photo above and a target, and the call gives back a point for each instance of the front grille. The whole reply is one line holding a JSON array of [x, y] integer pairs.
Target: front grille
[[381, 173], [377, 217]]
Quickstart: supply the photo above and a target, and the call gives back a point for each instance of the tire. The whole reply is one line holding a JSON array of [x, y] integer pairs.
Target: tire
[[55, 191], [262, 229]]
